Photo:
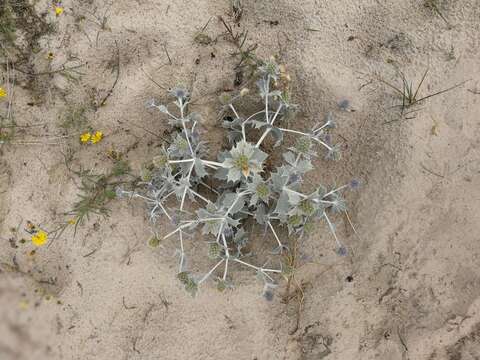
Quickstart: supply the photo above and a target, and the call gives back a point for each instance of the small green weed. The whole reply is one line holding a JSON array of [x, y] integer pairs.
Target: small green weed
[[248, 63], [410, 94], [96, 189]]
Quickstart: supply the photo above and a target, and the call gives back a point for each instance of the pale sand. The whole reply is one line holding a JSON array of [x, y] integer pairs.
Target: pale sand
[[415, 265]]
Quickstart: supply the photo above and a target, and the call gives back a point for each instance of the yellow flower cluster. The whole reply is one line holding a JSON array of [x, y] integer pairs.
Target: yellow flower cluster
[[39, 238], [84, 138], [3, 93], [93, 138], [97, 137], [58, 10]]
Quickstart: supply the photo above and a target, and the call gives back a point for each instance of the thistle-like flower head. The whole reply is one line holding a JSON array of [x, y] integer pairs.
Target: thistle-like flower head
[[244, 159], [259, 189], [270, 67], [180, 93]]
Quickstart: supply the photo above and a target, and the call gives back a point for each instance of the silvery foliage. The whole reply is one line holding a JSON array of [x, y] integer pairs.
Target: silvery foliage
[[273, 199]]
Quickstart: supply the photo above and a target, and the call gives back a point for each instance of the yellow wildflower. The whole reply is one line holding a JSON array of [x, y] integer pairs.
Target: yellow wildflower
[[97, 137], [72, 222], [3, 93], [85, 137], [39, 238], [50, 55], [58, 10]]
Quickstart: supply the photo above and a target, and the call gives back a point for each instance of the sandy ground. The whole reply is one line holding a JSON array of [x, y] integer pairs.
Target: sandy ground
[[410, 288]]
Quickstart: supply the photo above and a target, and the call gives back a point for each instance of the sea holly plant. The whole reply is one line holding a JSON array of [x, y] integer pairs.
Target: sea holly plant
[[177, 185]]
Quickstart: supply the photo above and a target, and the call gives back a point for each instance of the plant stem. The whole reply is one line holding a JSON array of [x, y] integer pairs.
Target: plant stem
[[184, 126], [212, 164], [199, 196], [308, 135], [266, 98], [227, 254], [234, 111], [267, 131], [207, 275], [239, 195], [226, 270], [256, 267], [332, 229], [275, 234], [225, 245], [159, 204], [203, 220], [182, 253], [257, 113], [186, 188], [180, 161], [335, 190], [175, 231], [295, 192], [316, 131]]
